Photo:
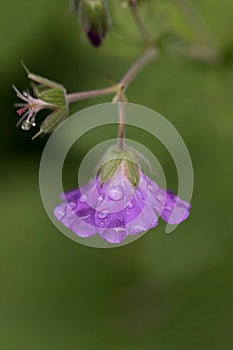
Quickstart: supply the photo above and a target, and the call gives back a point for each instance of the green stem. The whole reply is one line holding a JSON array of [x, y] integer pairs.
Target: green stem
[[203, 53], [121, 126], [78, 96], [148, 56]]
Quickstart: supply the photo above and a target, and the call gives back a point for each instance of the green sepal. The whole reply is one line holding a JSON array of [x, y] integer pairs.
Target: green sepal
[[113, 159], [41, 80], [44, 81], [53, 96], [52, 121], [38, 88], [94, 14], [131, 168], [110, 166]]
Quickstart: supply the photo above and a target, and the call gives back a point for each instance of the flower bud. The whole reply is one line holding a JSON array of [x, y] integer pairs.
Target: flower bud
[[95, 19]]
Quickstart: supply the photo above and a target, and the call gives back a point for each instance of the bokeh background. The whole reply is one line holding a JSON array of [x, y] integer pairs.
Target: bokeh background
[[162, 291]]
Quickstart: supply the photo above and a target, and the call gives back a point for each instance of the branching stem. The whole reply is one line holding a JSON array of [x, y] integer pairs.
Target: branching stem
[[207, 54]]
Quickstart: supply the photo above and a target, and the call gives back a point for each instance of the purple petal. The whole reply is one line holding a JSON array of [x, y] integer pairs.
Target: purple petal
[[70, 218], [117, 209], [175, 209], [144, 222], [116, 233]]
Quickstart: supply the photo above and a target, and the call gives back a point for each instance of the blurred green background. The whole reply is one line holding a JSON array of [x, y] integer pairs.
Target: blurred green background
[[162, 291]]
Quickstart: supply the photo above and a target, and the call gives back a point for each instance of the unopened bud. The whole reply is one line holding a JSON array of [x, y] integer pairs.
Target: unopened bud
[[95, 19]]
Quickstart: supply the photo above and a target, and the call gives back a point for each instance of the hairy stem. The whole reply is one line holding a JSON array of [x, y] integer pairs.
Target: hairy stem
[[140, 23], [129, 76], [201, 53], [121, 126], [78, 96], [148, 56]]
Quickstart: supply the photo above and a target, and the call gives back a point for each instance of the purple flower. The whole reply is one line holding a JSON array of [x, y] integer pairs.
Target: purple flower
[[117, 208]]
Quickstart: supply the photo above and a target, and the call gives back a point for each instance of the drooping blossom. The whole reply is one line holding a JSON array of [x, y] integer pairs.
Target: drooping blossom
[[119, 207]]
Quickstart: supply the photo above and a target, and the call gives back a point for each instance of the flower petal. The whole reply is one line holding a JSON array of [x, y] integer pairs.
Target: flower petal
[[146, 220], [117, 208], [73, 219], [115, 233], [175, 209]]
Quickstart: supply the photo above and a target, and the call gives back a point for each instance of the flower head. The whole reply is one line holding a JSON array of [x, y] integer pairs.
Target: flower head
[[123, 202], [47, 95]]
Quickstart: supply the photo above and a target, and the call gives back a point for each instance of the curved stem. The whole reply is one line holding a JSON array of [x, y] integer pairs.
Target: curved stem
[[140, 23], [147, 57]]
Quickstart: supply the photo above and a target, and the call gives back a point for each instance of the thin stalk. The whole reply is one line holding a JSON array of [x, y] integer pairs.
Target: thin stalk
[[148, 56], [121, 126], [78, 96], [140, 23]]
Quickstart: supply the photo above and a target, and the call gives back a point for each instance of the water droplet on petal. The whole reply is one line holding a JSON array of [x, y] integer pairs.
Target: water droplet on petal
[[101, 197], [144, 195], [160, 197], [150, 188], [60, 212], [101, 224], [83, 198], [140, 228], [168, 207], [102, 214], [72, 205], [26, 125], [130, 205], [116, 193], [119, 229]]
